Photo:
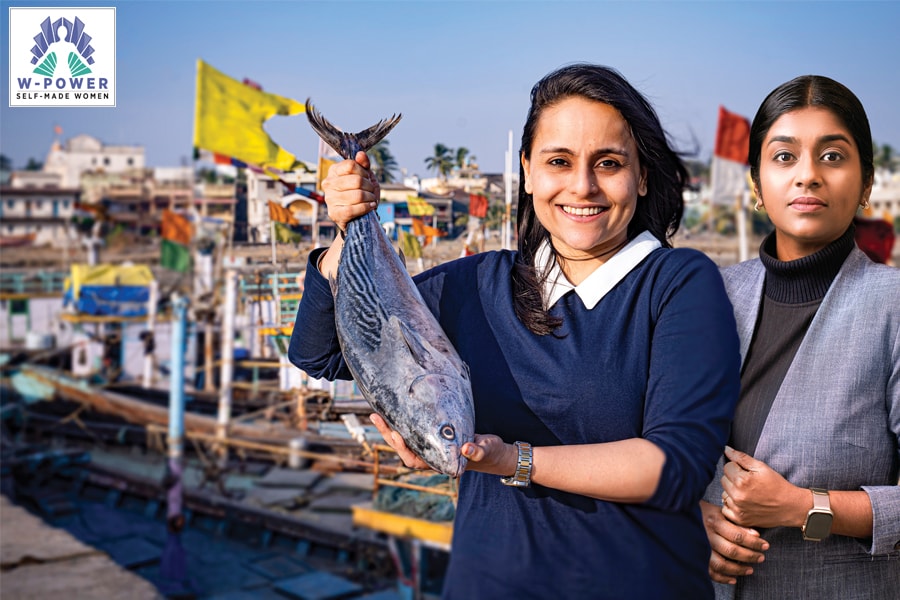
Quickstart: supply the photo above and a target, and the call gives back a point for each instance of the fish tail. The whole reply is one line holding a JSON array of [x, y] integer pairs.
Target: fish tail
[[348, 144]]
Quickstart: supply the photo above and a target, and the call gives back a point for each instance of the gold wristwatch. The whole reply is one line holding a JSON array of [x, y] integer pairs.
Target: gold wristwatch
[[819, 518], [522, 476]]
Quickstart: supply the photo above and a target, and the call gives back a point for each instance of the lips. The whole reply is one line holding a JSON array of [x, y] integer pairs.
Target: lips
[[806, 201]]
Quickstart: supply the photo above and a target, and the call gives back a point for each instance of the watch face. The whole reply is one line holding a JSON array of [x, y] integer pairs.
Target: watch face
[[818, 525]]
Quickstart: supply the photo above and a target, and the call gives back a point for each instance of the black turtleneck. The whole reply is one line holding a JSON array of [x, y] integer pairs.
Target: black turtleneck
[[793, 291]]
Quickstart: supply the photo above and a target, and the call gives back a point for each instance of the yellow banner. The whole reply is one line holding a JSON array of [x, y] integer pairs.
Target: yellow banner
[[229, 119]]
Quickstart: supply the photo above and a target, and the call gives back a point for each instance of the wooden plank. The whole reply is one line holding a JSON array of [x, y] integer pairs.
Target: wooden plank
[[437, 535]]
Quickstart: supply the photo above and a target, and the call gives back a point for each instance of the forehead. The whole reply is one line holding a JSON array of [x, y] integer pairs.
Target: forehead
[[582, 117], [809, 123]]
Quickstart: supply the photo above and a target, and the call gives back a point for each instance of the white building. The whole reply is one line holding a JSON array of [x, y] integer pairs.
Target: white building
[[35, 207], [261, 189], [85, 153], [885, 197]]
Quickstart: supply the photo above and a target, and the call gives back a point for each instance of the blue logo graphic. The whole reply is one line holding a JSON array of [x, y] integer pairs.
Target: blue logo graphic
[[74, 34]]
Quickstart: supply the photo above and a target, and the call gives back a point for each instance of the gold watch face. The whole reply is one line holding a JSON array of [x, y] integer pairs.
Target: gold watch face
[[818, 525]]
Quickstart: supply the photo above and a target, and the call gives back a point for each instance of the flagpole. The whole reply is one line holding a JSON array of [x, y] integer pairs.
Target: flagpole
[[742, 200], [507, 224], [272, 238]]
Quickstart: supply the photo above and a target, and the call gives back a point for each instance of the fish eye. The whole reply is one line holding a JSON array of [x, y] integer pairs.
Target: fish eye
[[447, 432]]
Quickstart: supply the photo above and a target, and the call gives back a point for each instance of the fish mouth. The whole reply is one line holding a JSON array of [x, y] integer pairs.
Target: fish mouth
[[584, 211], [460, 467]]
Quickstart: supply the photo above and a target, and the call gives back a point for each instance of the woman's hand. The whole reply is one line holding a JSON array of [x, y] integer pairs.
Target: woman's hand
[[393, 439], [734, 548], [351, 190], [757, 496], [487, 453]]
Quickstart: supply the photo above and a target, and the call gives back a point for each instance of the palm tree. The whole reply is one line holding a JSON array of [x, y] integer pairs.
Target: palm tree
[[385, 164], [461, 154], [884, 157], [442, 161]]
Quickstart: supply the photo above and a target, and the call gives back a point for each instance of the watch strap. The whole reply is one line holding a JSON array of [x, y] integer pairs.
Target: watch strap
[[821, 509], [821, 499], [524, 462]]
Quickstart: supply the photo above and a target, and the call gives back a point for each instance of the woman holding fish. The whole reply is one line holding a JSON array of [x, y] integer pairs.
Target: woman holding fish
[[604, 364]]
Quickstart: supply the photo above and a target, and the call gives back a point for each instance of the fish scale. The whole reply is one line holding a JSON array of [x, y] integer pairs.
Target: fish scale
[[401, 359]]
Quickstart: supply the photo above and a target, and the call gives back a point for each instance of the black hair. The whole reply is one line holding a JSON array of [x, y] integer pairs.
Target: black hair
[[659, 212], [818, 91]]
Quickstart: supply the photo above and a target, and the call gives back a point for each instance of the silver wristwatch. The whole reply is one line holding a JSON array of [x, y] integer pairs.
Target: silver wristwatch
[[522, 476]]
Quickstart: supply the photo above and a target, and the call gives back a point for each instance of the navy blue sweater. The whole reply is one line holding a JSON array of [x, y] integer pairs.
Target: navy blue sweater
[[657, 358]]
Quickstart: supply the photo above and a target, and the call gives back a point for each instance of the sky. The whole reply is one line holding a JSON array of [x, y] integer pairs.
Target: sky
[[460, 72]]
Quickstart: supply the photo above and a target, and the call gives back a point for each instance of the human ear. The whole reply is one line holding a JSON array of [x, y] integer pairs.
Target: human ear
[[526, 168]]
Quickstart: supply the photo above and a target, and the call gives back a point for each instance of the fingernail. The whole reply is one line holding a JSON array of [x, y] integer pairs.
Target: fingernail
[[729, 449], [467, 450]]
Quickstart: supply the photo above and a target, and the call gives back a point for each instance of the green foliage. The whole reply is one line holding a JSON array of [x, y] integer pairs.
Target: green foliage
[[442, 161], [385, 163]]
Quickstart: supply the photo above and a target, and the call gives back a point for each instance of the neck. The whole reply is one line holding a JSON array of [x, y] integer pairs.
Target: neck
[[577, 269]]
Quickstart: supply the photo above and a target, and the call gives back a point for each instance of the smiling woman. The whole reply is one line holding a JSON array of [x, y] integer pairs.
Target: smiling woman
[[603, 363], [587, 178]]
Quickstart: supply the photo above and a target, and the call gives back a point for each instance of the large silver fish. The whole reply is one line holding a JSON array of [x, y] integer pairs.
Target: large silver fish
[[398, 354]]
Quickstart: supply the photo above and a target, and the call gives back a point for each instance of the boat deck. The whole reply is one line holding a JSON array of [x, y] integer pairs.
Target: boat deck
[[40, 561]]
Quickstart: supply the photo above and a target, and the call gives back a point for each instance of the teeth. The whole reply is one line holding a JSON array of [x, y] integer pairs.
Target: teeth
[[583, 211]]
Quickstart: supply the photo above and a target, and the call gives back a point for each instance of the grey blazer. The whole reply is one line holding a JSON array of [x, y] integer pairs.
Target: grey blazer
[[835, 424]]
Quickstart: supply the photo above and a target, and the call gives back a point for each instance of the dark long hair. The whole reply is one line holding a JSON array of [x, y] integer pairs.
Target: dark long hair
[[821, 92], [659, 212]]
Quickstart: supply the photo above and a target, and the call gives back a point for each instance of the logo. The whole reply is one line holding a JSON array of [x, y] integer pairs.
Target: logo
[[62, 57]]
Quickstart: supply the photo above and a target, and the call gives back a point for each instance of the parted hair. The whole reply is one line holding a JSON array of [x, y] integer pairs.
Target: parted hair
[[818, 91], [659, 212]]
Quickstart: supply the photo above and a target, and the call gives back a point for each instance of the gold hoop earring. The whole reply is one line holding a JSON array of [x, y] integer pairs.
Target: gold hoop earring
[[757, 206], [865, 204]]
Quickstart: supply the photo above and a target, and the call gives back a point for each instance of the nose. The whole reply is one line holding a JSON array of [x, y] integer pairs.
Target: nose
[[583, 183], [807, 173]]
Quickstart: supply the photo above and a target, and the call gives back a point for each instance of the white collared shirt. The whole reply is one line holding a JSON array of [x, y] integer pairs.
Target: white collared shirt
[[602, 280]]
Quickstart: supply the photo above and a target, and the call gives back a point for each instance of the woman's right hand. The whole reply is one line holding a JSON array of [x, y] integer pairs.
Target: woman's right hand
[[351, 190], [734, 548]]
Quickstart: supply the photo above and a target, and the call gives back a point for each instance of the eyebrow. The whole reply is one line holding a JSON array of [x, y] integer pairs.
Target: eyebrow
[[564, 150], [825, 139]]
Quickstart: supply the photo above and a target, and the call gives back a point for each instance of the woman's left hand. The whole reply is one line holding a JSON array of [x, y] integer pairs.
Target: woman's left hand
[[487, 453], [757, 496], [393, 439]]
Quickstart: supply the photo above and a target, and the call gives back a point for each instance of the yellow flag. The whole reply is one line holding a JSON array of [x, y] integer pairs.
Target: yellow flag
[[229, 117], [418, 207], [327, 157], [280, 214], [409, 245]]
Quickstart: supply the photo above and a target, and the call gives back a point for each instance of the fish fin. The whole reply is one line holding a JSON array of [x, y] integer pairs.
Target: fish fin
[[369, 137], [348, 144], [329, 133], [402, 257], [419, 352]]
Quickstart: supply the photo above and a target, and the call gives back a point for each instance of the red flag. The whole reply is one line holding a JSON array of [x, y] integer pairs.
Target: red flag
[[478, 205], [730, 158], [875, 237], [732, 137]]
